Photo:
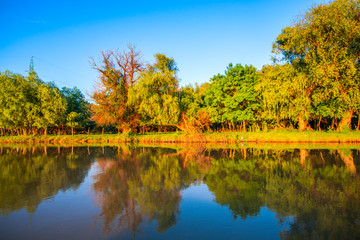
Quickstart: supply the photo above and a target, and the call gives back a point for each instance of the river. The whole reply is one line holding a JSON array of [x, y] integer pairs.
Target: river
[[179, 192]]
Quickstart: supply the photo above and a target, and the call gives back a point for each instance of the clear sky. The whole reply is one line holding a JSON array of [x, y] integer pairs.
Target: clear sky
[[202, 36]]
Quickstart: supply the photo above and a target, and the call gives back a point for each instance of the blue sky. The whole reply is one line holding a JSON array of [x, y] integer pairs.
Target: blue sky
[[202, 36]]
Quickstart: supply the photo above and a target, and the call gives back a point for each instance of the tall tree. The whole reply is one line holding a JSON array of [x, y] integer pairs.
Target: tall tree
[[284, 98], [156, 95], [118, 71], [77, 112], [13, 100], [194, 116], [52, 107], [324, 44], [19, 103], [231, 98]]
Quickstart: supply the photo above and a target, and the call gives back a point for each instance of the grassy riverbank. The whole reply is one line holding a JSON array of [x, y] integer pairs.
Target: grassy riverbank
[[182, 137]]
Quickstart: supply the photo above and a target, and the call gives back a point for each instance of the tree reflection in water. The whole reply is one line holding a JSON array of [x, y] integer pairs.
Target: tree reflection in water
[[30, 175], [316, 191]]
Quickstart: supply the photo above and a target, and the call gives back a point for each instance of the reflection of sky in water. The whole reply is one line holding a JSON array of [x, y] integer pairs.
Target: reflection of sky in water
[[207, 220], [198, 192]]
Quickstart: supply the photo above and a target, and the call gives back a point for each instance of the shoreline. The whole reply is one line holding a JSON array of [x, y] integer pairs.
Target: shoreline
[[275, 137]]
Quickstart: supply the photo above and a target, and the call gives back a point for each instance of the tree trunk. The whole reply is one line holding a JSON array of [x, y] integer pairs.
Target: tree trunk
[[358, 126], [332, 123], [45, 131], [72, 131], [345, 121], [302, 122], [318, 126]]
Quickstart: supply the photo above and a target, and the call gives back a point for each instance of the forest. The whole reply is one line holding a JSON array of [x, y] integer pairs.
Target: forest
[[312, 84]]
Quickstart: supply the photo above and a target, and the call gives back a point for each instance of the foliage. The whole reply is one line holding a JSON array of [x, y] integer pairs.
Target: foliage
[[283, 94], [27, 103], [78, 109], [118, 73], [231, 98], [194, 117], [324, 45], [52, 106], [156, 94]]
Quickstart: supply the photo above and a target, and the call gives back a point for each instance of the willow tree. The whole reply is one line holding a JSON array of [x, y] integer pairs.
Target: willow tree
[[324, 44], [155, 96], [118, 72], [284, 99], [194, 116]]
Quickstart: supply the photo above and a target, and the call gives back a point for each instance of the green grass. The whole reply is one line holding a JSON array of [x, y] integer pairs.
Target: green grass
[[207, 137]]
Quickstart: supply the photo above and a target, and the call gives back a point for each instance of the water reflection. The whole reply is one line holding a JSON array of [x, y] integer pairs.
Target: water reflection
[[30, 175], [315, 193], [139, 185], [318, 189]]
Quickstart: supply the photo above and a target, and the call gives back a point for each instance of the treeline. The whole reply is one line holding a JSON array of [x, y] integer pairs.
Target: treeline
[[30, 106], [313, 84]]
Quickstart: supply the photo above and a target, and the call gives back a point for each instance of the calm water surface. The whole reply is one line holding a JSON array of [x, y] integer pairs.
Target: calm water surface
[[127, 192]]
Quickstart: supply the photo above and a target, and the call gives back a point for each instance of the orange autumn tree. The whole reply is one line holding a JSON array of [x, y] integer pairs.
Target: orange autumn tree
[[118, 71]]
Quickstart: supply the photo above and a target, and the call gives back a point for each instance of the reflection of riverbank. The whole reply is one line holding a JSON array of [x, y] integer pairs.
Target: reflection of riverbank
[[291, 183], [206, 137], [30, 175]]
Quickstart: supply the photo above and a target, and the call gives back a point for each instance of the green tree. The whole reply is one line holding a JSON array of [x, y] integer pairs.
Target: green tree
[[156, 94], [77, 112], [52, 107], [19, 103], [12, 100], [284, 99], [231, 98], [324, 44], [72, 120], [28, 104]]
